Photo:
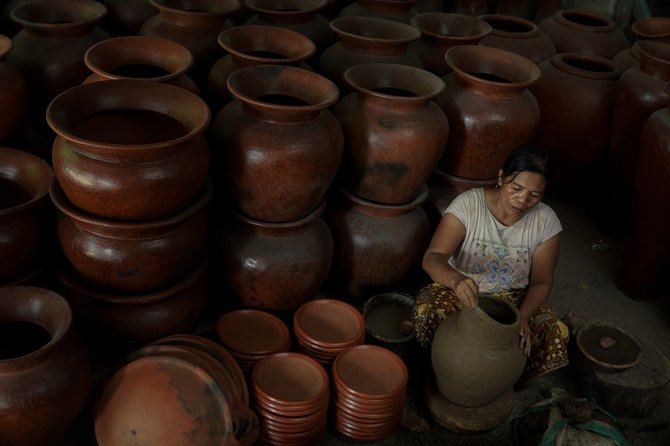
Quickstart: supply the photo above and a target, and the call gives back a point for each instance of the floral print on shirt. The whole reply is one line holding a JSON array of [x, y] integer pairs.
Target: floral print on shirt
[[499, 266]]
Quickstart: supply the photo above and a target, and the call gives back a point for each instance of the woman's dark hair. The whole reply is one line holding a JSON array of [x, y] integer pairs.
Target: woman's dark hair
[[528, 158]]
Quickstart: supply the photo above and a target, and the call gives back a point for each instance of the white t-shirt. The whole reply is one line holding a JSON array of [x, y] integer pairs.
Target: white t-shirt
[[496, 256]]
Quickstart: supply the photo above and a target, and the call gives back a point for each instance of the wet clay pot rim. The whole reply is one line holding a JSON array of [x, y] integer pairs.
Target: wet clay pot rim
[[328, 324], [214, 349], [293, 46], [71, 15], [30, 172], [290, 379], [370, 372], [251, 333], [432, 24]]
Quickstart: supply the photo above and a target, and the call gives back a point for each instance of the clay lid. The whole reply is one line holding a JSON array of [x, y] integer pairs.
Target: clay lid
[[329, 323], [253, 333], [163, 400], [609, 347], [370, 372]]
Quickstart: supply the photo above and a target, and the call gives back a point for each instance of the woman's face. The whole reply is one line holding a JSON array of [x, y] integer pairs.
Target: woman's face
[[521, 191]]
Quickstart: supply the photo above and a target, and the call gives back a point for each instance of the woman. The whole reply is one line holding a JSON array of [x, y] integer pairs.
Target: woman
[[503, 242]]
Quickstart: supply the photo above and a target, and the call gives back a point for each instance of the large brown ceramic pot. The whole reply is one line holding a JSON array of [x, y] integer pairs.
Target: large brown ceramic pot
[[279, 144], [140, 57], [25, 229], [394, 132], [476, 355], [519, 36], [441, 31], [49, 50], [130, 149], [45, 368], [196, 24], [645, 258], [586, 32], [132, 257], [648, 28], [273, 266], [376, 246], [489, 107], [399, 10], [255, 45], [639, 93], [569, 82], [119, 319], [126, 17], [367, 40], [13, 94]]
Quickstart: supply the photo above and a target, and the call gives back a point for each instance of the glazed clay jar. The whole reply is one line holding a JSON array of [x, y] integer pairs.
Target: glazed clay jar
[[394, 132], [130, 150], [586, 32], [376, 245], [489, 107], [132, 257], [519, 36], [645, 256], [569, 82], [45, 369], [281, 146], [399, 10], [639, 93], [367, 40], [13, 94], [476, 355], [119, 319], [273, 266], [49, 50], [255, 45], [441, 31], [196, 24], [24, 213], [140, 57]]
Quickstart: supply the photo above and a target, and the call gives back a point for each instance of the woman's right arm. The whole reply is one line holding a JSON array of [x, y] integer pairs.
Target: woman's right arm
[[449, 234]]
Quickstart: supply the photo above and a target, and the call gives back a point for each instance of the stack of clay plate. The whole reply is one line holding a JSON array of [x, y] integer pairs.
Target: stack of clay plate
[[251, 335], [368, 392], [325, 327], [290, 394]]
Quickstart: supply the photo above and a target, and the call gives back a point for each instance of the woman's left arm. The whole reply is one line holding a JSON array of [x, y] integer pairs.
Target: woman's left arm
[[541, 281]]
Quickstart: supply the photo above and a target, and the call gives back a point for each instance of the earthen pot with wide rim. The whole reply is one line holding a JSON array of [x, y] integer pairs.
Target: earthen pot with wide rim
[[441, 31], [25, 215], [135, 319], [639, 93], [13, 94], [302, 16], [569, 82], [132, 257], [489, 107], [375, 245], [273, 266], [399, 10], [130, 150], [648, 28], [278, 145], [255, 45], [367, 40], [49, 50], [519, 36], [141, 57], [46, 375], [586, 32], [394, 131], [645, 256], [476, 355], [196, 24]]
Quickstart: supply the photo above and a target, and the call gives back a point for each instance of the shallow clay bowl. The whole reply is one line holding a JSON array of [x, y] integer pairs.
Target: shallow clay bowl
[[329, 322], [370, 372], [364, 413], [268, 424], [390, 421], [253, 332], [305, 420], [345, 394], [294, 410], [362, 434], [296, 438], [290, 379], [609, 347]]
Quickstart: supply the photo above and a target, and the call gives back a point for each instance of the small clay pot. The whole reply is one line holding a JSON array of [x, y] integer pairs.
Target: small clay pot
[[387, 321]]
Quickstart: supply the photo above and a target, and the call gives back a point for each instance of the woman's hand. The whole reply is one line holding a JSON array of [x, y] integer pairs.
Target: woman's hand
[[467, 291], [524, 336]]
